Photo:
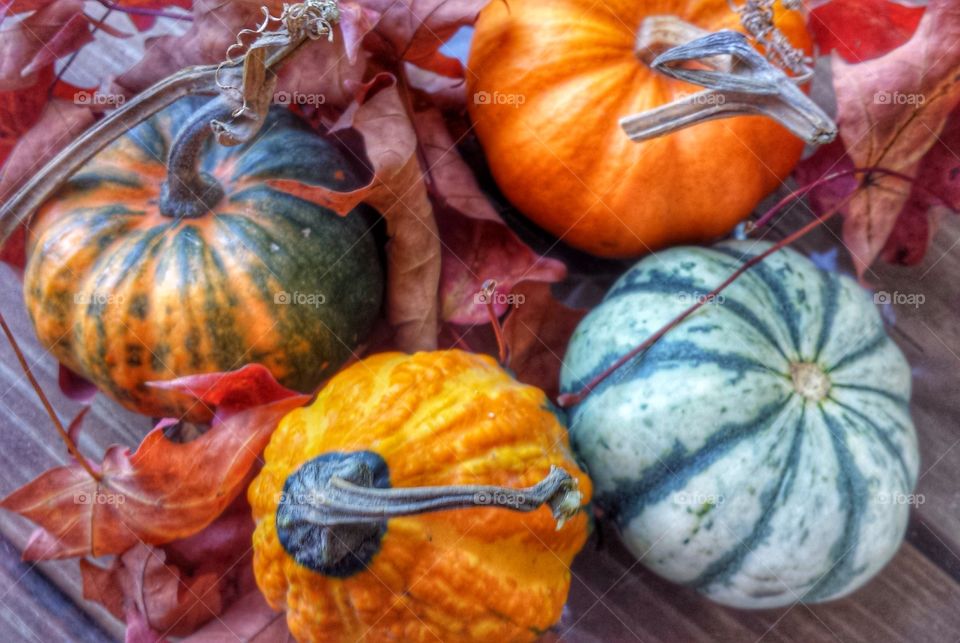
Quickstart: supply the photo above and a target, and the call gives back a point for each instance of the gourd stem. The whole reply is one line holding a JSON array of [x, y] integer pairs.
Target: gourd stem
[[739, 81], [188, 192], [334, 509], [348, 503]]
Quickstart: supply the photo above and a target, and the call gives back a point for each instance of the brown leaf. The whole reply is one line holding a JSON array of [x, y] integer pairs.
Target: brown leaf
[[414, 30], [890, 111], [477, 244], [537, 333], [27, 46], [159, 493], [141, 583], [215, 26]]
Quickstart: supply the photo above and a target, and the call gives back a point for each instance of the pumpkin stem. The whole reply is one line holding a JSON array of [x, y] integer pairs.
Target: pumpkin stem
[[738, 80], [189, 192], [334, 509]]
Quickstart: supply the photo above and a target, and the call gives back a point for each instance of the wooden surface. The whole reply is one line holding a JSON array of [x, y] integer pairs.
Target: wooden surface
[[916, 598]]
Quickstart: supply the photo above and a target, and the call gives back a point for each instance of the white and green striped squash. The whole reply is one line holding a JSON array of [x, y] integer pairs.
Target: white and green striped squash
[[762, 451]]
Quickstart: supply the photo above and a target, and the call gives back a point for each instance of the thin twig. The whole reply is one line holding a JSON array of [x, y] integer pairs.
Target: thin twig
[[143, 11], [64, 435], [569, 399]]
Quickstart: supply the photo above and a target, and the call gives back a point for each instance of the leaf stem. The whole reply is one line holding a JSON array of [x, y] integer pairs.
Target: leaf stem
[[144, 11], [487, 292], [829, 178], [71, 445]]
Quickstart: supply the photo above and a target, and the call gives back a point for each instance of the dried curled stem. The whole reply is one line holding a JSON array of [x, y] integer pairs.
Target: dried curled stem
[[738, 80], [757, 18], [253, 71]]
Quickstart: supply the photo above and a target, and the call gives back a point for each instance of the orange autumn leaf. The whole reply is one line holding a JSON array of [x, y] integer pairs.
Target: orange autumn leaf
[[161, 492]]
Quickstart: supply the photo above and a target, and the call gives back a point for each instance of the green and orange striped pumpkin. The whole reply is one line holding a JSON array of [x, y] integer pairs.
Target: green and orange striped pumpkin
[[124, 295]]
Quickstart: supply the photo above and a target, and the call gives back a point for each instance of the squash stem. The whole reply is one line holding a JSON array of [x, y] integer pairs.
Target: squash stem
[[737, 78], [334, 508], [189, 192]]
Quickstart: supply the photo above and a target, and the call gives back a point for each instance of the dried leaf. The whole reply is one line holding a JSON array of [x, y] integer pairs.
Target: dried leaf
[[27, 46], [477, 244], [859, 30], [145, 496], [75, 387], [229, 393], [890, 111], [537, 333], [153, 596]]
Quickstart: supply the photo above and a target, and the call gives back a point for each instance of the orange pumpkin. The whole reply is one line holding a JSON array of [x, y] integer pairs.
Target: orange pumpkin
[[548, 82], [470, 574]]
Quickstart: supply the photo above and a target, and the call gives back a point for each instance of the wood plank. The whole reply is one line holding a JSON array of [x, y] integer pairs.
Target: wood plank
[[34, 609], [615, 600]]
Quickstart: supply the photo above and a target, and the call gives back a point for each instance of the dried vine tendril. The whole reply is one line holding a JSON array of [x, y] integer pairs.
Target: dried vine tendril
[[313, 19], [757, 17]]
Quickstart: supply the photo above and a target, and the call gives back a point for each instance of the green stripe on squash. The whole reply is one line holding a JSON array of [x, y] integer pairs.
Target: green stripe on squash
[[761, 450]]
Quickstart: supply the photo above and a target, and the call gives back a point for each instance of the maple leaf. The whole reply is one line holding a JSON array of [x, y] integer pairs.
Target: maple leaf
[[227, 393], [27, 46], [151, 595], [859, 30], [891, 111], [161, 492], [537, 332]]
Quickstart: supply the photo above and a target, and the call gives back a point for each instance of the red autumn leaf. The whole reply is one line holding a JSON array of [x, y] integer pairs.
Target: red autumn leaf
[[859, 30], [250, 620], [891, 111], [161, 492], [228, 393], [59, 123], [29, 45], [537, 333], [144, 22]]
